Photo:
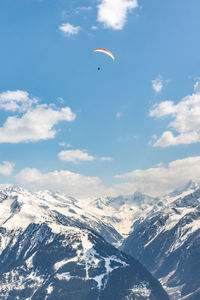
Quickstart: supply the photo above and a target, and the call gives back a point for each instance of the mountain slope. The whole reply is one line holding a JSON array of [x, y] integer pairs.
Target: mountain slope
[[122, 211], [46, 254], [19, 206], [167, 242]]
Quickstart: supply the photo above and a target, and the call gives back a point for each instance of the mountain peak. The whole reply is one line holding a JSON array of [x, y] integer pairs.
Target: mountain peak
[[188, 187]]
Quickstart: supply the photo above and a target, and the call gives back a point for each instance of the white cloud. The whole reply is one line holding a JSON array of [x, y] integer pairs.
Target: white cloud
[[106, 158], [155, 181], [36, 124], [75, 156], [78, 155], [68, 29], [157, 84], [160, 180], [163, 109], [64, 144], [6, 168], [168, 139], [113, 13], [185, 123], [16, 101], [73, 184]]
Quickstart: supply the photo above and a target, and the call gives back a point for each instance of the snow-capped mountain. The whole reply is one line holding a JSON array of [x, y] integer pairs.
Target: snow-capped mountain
[[184, 190], [122, 211], [21, 207], [50, 250], [167, 242]]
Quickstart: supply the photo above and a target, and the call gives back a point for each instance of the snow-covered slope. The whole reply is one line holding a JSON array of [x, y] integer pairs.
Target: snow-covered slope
[[122, 211], [48, 253], [163, 233], [19, 208], [167, 242]]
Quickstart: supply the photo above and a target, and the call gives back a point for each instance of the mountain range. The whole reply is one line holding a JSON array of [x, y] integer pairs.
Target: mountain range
[[167, 242], [53, 244], [51, 248]]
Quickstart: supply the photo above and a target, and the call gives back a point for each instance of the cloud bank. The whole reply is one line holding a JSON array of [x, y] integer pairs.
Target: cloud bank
[[185, 124], [73, 184], [161, 180], [156, 181]]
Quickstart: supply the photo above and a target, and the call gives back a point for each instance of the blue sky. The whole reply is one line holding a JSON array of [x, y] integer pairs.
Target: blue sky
[[133, 125]]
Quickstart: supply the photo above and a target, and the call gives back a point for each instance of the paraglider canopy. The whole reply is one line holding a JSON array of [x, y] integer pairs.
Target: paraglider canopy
[[104, 51]]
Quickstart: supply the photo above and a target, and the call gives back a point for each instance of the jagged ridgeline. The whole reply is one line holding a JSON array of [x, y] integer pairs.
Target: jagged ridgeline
[[167, 242], [52, 249]]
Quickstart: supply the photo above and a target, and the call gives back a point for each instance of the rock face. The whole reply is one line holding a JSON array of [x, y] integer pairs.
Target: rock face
[[167, 243], [48, 250]]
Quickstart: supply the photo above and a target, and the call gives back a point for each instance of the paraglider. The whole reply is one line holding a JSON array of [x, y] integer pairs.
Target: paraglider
[[104, 51]]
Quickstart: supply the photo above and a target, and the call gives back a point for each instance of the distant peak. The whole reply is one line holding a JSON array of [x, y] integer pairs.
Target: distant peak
[[190, 185], [11, 188]]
